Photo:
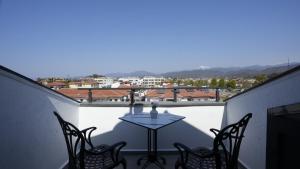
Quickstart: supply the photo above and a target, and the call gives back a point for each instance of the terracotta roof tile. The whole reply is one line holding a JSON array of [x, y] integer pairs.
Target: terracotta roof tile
[[97, 94], [183, 93], [52, 84]]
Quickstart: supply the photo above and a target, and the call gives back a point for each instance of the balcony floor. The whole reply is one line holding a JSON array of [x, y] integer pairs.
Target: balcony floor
[[132, 158], [171, 157]]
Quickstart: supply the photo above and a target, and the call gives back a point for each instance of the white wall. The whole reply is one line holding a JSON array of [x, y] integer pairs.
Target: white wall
[[30, 134], [193, 130], [282, 91]]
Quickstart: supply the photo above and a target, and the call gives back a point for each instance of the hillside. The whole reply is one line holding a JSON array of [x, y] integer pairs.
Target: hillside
[[218, 72]]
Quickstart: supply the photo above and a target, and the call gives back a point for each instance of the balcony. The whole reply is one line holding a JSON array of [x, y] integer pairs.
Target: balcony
[[33, 139]]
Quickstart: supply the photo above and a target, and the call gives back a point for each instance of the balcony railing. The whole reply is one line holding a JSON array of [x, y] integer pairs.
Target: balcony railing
[[158, 94]]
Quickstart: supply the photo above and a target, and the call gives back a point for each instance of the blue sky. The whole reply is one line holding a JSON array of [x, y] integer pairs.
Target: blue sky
[[71, 38]]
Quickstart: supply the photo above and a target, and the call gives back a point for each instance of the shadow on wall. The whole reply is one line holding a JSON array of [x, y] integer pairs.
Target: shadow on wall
[[224, 119], [33, 130], [136, 136]]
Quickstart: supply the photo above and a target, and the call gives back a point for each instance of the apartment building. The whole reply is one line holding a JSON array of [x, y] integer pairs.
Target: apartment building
[[131, 80], [104, 81], [151, 81]]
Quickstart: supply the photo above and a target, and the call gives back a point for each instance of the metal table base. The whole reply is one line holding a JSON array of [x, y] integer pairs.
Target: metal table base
[[152, 156]]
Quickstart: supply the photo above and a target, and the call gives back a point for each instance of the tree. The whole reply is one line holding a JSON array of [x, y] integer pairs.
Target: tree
[[246, 84], [39, 79], [96, 76], [172, 81], [50, 80], [213, 83], [205, 83], [260, 79], [272, 75], [231, 84], [188, 82], [197, 83], [179, 81], [200, 83], [221, 83]]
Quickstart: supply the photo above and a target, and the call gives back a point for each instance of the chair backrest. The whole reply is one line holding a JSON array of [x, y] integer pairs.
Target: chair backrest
[[74, 140], [228, 141]]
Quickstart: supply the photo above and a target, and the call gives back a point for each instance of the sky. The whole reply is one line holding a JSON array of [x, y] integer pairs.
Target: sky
[[41, 38]]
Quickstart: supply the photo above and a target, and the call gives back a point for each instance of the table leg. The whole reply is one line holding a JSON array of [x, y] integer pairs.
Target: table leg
[[152, 156], [155, 148], [148, 157], [155, 142], [149, 141]]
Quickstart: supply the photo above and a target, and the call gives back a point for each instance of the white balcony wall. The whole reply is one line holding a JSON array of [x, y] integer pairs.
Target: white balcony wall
[[282, 91], [192, 131], [30, 134]]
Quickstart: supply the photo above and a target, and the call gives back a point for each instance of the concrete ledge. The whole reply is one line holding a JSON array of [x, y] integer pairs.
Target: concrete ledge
[[148, 104]]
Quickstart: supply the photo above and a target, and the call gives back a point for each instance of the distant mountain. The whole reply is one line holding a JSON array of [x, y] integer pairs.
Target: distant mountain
[[131, 74], [229, 72]]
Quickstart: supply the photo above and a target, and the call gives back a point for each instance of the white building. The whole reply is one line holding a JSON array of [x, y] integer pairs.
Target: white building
[[74, 85], [104, 81], [131, 80], [151, 81], [115, 85], [77, 85]]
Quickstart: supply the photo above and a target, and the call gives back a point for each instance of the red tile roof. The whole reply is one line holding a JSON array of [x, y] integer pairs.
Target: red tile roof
[[83, 82], [74, 83], [124, 86], [97, 94], [183, 93], [53, 84]]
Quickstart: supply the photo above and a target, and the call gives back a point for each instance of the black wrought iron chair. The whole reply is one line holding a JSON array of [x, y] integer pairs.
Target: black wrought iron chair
[[96, 157], [224, 154]]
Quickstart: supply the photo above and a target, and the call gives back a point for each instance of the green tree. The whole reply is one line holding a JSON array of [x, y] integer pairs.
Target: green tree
[[260, 79], [95, 75], [221, 83], [231, 84], [178, 81], [200, 83], [39, 79], [50, 80], [272, 75], [197, 83], [188, 82], [172, 81], [213, 83], [246, 84], [205, 83]]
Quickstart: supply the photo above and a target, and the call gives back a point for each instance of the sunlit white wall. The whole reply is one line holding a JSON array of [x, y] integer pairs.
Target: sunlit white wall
[[193, 130], [279, 92]]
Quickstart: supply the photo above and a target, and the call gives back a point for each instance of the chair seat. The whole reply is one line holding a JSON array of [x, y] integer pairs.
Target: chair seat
[[226, 157], [201, 163], [99, 157], [103, 161]]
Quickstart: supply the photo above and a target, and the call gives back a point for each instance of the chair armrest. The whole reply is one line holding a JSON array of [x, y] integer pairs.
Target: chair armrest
[[87, 135], [182, 147], [183, 151], [116, 150], [186, 151], [215, 131]]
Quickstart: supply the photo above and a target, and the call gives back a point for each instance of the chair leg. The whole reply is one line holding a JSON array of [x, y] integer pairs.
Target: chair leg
[[177, 165], [124, 163]]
